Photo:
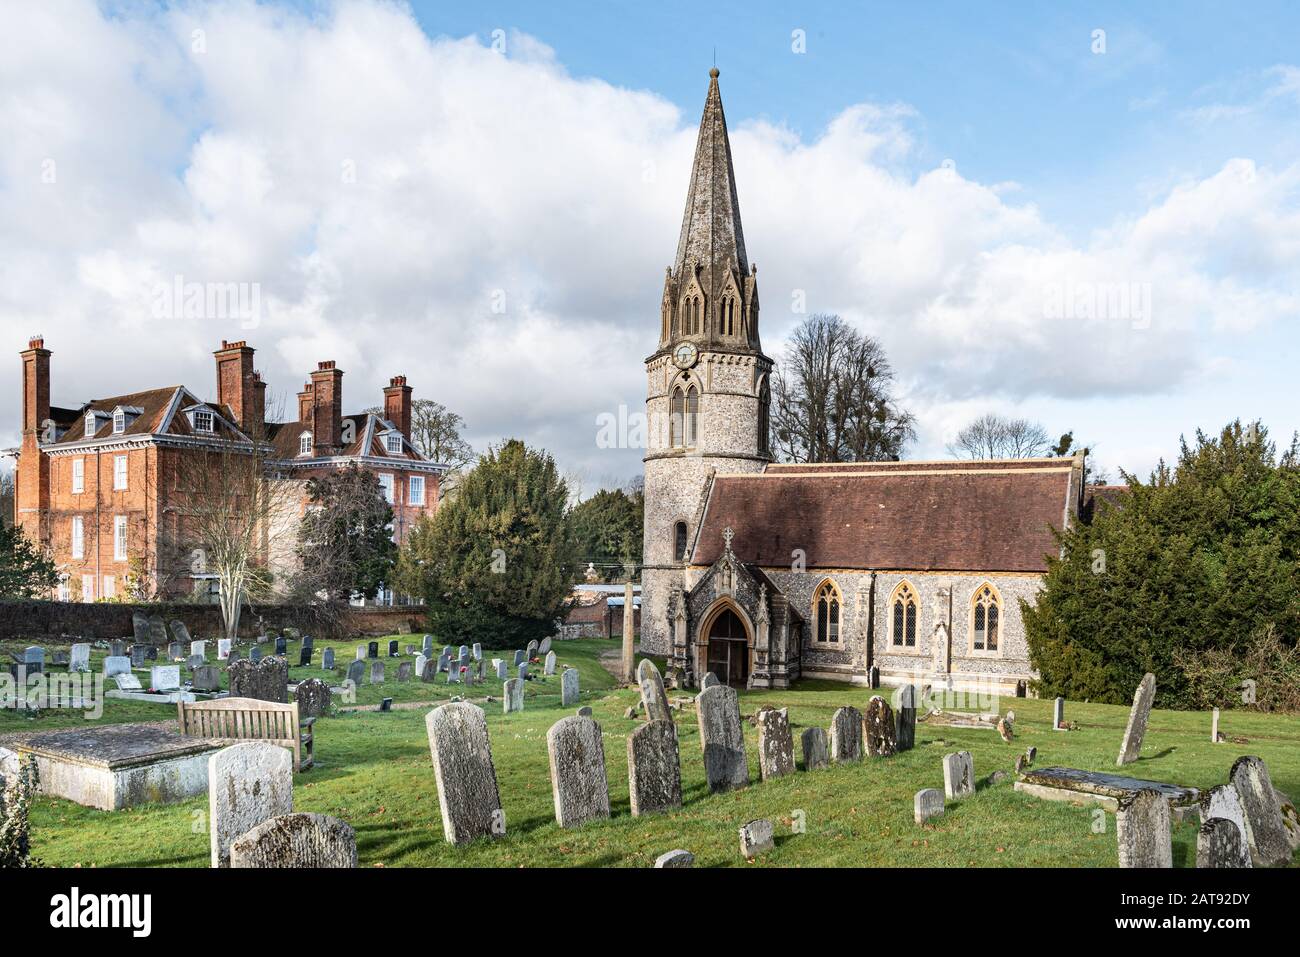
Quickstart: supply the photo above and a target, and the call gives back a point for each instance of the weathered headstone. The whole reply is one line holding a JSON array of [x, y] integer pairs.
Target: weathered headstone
[[198, 649], [1138, 717], [568, 687], [531, 651], [512, 696], [846, 735], [756, 838], [654, 774], [117, 649], [721, 737], [653, 697], [578, 782], [267, 680], [519, 658], [420, 662], [248, 783], [905, 722], [116, 665], [709, 680], [523, 671], [958, 775], [80, 660], [313, 697], [296, 841], [427, 646], [255, 654], [179, 633], [361, 652], [503, 671], [775, 744], [139, 628], [404, 671], [356, 671], [372, 650], [1219, 843], [205, 678], [137, 657], [927, 803], [544, 647], [377, 672], [548, 667], [1142, 830], [1058, 714], [466, 778], [880, 730], [175, 651], [815, 752], [677, 858], [1265, 832], [1222, 801], [194, 661], [327, 659]]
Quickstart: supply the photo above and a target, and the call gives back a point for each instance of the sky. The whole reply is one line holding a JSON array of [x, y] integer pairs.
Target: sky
[[1083, 214]]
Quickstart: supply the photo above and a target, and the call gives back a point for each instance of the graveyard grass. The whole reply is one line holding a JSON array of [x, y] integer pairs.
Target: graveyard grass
[[373, 770]]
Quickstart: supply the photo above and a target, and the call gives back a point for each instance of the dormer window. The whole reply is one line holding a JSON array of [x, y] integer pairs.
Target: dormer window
[[304, 444], [92, 424], [202, 421], [393, 443], [119, 422]]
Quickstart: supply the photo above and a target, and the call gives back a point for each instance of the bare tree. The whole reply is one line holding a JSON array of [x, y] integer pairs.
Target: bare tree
[[832, 398], [993, 436], [435, 431]]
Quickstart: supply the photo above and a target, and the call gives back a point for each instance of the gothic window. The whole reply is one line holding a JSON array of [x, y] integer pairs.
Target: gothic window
[[679, 542], [670, 320], [764, 422], [692, 416], [727, 316], [691, 315], [677, 413], [826, 613], [904, 616], [986, 611]]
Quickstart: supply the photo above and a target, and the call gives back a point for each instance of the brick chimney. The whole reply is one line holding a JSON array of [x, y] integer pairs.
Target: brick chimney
[[32, 478], [235, 384], [259, 404], [327, 408], [397, 404], [305, 404]]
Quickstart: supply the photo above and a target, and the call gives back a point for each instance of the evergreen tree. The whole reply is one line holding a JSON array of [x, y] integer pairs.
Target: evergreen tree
[[608, 529], [25, 572], [496, 563], [345, 541]]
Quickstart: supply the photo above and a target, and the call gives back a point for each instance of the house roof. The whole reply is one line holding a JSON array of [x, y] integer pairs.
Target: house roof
[[368, 438], [914, 516]]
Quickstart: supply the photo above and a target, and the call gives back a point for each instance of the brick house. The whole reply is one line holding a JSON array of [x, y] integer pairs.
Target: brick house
[[97, 483]]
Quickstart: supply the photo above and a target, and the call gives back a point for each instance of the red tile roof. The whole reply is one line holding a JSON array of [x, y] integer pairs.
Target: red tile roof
[[960, 518]]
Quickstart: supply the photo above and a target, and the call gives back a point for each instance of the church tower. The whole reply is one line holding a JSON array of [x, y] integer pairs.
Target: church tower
[[707, 382]]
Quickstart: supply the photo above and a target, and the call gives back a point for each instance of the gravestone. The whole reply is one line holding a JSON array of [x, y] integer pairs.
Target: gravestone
[[548, 668], [1265, 831], [420, 662], [578, 782], [404, 671], [304, 656], [309, 642], [544, 647], [721, 738], [116, 665], [1138, 717], [428, 646], [175, 651], [1214, 726], [443, 663], [255, 654], [653, 697], [846, 735], [905, 723], [674, 859], [267, 680], [117, 649], [235, 655], [198, 649], [756, 838], [958, 775], [880, 731], [531, 651], [512, 696], [223, 649], [1142, 830], [313, 697], [356, 671], [466, 778], [927, 803], [127, 682], [327, 659], [654, 776], [463, 652], [296, 841], [453, 674], [80, 660], [430, 671], [377, 672], [519, 658], [194, 661], [248, 783], [139, 628], [205, 678], [568, 687], [1221, 801], [815, 752], [137, 656], [1219, 844], [392, 649], [281, 645], [709, 680], [775, 744], [1058, 714], [372, 650], [523, 671], [179, 633], [361, 652], [503, 671]]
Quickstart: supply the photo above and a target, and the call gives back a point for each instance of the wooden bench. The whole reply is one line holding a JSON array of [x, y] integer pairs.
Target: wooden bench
[[250, 719]]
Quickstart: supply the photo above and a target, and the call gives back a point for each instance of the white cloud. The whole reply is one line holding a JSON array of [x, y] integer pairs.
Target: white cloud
[[389, 192]]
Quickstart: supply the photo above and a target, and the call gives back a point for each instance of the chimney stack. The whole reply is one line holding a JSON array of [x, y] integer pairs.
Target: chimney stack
[[259, 406], [32, 477], [235, 384], [305, 404], [327, 408], [397, 404]]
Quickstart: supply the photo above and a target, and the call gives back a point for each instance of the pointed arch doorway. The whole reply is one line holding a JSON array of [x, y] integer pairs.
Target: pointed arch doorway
[[728, 642]]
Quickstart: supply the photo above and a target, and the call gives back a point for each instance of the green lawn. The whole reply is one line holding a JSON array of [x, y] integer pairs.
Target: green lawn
[[373, 770]]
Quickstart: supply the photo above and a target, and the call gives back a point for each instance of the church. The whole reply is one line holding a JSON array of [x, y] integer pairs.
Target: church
[[865, 572]]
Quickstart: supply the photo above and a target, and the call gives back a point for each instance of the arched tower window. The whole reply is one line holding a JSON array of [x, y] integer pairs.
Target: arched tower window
[[826, 613], [986, 618], [679, 542], [727, 316], [676, 415], [692, 416], [903, 617]]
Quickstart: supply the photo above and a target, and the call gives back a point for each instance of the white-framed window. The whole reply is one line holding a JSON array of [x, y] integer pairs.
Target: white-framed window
[[65, 592], [119, 422], [78, 537], [119, 473], [87, 587], [78, 476], [415, 495], [393, 443], [92, 425], [304, 444], [202, 421], [119, 538], [110, 586], [386, 486]]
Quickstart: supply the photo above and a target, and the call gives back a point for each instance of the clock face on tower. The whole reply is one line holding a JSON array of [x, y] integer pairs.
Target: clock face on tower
[[684, 355]]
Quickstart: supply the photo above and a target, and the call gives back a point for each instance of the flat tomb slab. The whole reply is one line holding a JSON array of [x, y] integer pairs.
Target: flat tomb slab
[[115, 766], [1096, 787]]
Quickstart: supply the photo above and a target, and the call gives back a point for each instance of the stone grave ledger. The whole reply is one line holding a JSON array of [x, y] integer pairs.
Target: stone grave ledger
[[1097, 787], [248, 783], [578, 781], [463, 769], [110, 767], [654, 768], [722, 739], [297, 840]]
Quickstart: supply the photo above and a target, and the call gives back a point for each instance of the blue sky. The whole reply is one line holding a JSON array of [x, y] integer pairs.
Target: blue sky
[[934, 173]]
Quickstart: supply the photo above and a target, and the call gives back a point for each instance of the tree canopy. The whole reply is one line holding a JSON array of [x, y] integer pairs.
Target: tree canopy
[[25, 571], [345, 543], [607, 529]]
